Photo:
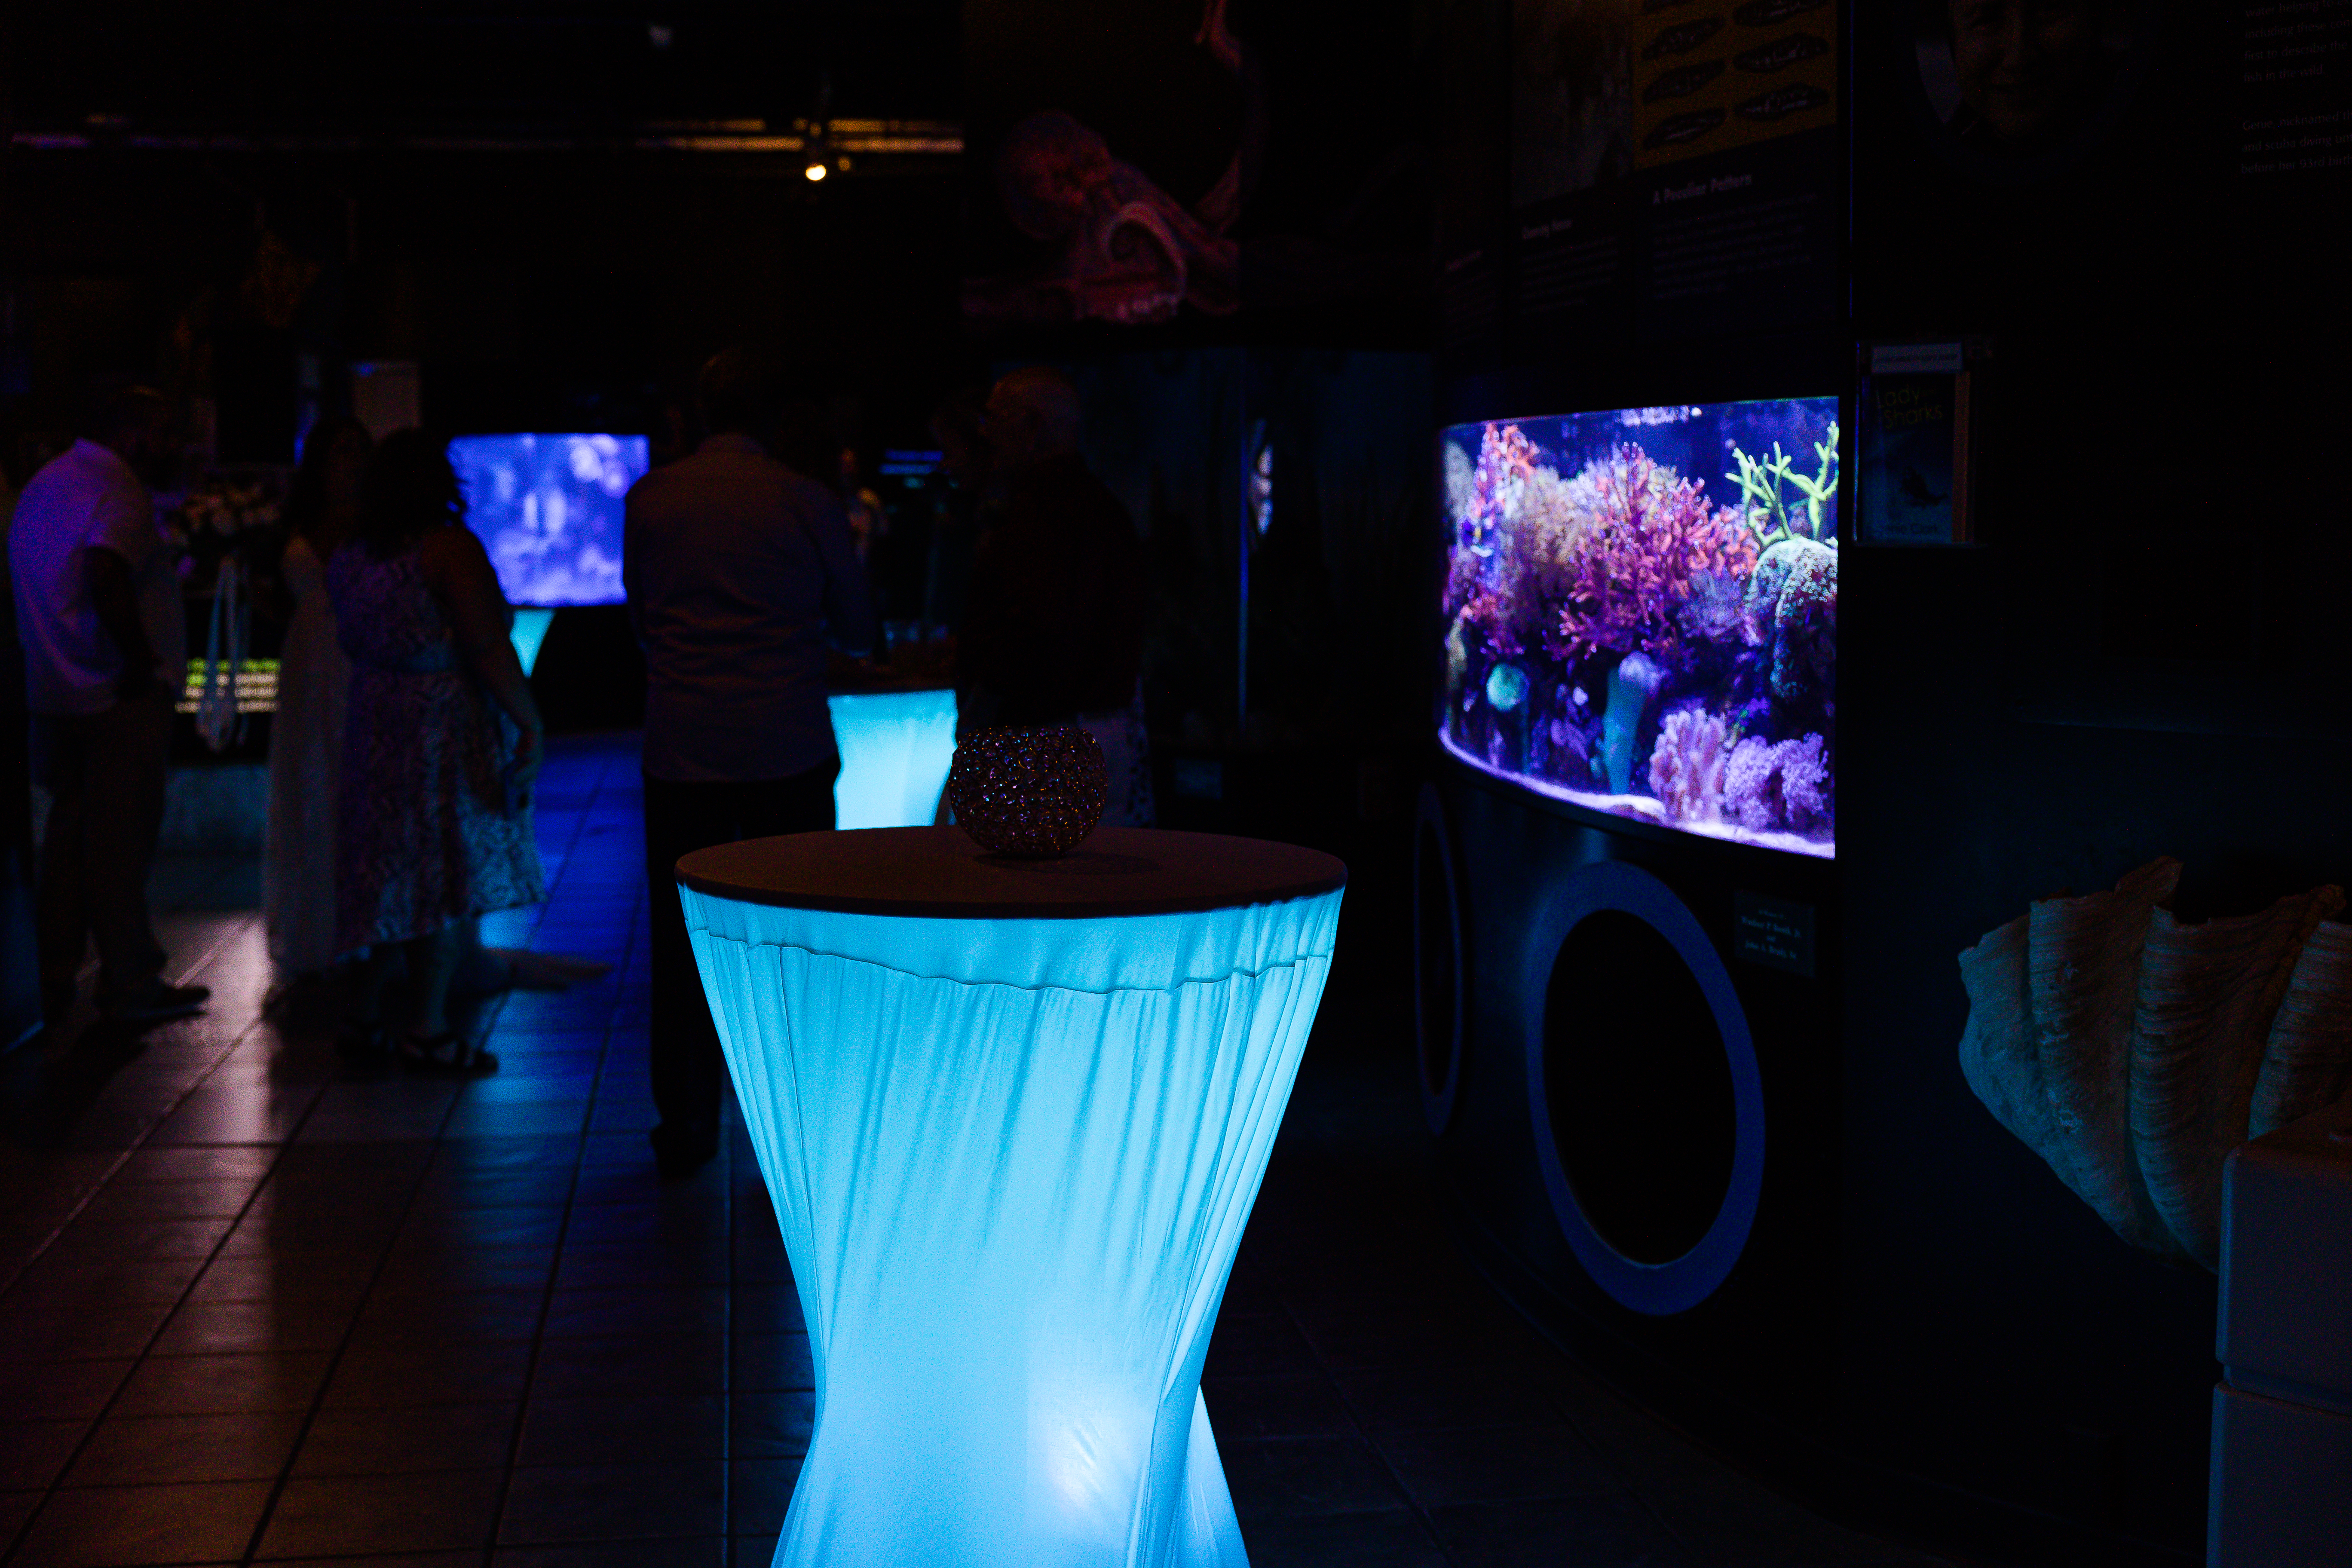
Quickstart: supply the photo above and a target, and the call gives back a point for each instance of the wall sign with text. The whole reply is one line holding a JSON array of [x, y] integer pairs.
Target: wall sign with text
[[1912, 476]]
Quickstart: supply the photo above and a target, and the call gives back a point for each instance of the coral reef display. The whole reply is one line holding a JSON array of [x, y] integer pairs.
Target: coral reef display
[[1623, 637], [2133, 1051]]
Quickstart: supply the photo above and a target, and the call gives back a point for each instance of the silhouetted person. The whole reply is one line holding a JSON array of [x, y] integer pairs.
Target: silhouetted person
[[442, 743], [1052, 630], [105, 638], [306, 733], [958, 514], [739, 571]]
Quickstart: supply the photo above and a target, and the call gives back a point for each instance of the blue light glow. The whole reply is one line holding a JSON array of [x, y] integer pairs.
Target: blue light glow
[[1012, 1161], [896, 747], [529, 630], [548, 508], [898, 464]]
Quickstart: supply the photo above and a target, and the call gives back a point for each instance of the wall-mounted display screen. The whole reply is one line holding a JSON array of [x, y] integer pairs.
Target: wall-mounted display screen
[[548, 508], [1641, 609]]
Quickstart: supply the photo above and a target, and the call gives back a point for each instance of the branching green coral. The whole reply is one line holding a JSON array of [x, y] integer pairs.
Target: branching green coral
[[1761, 500]]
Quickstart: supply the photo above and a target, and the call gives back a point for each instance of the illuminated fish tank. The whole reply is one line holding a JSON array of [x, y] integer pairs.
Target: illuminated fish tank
[[1641, 613], [548, 508]]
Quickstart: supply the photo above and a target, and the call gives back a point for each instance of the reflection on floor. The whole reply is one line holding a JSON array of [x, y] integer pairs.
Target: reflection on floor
[[255, 1304]]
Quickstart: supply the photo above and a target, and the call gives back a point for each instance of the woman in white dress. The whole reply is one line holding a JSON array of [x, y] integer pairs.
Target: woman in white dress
[[306, 736]]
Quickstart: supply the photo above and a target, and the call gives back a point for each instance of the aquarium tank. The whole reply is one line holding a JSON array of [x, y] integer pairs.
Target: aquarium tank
[[548, 508], [1641, 613]]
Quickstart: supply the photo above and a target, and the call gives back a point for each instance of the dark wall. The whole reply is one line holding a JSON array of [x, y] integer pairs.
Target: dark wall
[[2143, 657], [1325, 129], [538, 289], [371, 65], [1335, 571]]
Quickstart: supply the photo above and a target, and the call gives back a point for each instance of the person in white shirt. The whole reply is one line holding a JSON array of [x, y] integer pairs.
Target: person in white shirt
[[98, 612]]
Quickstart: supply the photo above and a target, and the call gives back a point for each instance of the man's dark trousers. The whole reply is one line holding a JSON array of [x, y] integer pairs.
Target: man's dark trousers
[[687, 1069], [104, 773]]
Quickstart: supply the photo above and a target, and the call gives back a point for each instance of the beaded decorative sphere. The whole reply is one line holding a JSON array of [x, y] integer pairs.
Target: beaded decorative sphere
[[1034, 794]]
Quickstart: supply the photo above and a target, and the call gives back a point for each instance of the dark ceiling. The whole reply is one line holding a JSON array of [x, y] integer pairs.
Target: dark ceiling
[[581, 68]]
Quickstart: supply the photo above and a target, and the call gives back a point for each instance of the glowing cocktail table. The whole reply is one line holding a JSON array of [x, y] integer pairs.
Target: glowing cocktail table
[[1013, 1115]]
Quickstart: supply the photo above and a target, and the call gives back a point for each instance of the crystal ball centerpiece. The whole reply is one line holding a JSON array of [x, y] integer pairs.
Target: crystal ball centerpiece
[[1032, 793]]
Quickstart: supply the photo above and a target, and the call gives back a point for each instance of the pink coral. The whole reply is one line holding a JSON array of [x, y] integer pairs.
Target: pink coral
[[1606, 561], [1462, 568], [1649, 535], [1520, 514], [1506, 458], [1686, 766], [1494, 611]]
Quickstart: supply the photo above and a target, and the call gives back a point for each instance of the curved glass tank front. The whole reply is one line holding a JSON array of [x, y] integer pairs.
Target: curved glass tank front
[[1641, 609]]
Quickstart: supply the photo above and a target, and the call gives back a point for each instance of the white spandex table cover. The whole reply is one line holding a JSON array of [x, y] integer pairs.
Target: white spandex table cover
[[1012, 1159]]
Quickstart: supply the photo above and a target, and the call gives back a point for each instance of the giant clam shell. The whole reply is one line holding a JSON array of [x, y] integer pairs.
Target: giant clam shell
[[2133, 1051]]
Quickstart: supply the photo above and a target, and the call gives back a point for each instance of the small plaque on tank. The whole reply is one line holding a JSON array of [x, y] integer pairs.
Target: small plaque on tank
[[1774, 932]]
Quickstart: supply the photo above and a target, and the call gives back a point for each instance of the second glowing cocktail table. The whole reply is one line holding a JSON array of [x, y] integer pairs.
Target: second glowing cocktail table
[[1013, 1115], [896, 746]]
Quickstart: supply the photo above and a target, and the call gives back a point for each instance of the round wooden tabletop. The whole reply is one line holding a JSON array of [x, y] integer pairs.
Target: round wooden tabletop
[[938, 873]]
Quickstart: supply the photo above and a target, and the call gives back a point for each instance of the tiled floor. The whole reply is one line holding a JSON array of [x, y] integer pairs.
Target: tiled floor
[[257, 1305]]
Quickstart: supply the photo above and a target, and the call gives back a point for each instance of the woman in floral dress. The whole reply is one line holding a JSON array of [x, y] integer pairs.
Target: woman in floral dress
[[442, 740]]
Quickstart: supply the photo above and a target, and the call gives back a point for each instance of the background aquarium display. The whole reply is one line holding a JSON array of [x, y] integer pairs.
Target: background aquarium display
[[548, 508], [1642, 614]]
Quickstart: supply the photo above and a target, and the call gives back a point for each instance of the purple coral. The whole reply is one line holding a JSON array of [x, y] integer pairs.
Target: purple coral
[[1805, 787], [1649, 541], [1769, 785], [1688, 765]]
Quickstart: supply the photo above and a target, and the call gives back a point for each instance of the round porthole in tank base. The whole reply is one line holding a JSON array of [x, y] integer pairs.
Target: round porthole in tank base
[[1647, 1105], [1438, 987]]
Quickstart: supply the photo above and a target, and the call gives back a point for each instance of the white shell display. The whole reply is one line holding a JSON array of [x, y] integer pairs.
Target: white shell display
[[2133, 1051]]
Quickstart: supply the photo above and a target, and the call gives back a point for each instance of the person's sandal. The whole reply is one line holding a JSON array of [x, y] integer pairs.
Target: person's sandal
[[448, 1052]]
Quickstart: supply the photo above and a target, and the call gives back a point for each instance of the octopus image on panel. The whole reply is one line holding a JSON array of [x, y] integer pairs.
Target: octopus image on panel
[[1121, 249]]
